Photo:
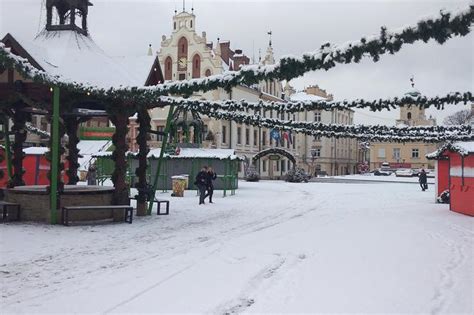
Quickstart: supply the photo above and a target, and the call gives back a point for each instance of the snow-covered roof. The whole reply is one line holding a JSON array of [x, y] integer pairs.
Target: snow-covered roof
[[78, 58], [35, 150], [463, 148], [89, 148], [303, 96], [197, 153], [413, 92], [185, 153]]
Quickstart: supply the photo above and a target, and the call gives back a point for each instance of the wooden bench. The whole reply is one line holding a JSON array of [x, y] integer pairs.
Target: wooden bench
[[128, 211], [5, 214], [158, 202]]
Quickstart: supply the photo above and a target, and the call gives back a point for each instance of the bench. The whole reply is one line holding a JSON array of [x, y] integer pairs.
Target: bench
[[128, 211], [158, 202], [5, 214]]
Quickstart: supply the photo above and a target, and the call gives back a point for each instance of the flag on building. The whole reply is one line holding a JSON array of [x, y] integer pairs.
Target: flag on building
[[275, 134]]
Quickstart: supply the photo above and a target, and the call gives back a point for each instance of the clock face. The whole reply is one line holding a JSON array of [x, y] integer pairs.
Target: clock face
[[182, 62]]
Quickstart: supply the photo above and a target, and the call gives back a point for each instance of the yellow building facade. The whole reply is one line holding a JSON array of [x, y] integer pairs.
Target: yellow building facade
[[405, 155]]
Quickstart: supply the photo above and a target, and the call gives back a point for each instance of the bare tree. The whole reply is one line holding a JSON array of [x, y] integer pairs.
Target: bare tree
[[460, 118]]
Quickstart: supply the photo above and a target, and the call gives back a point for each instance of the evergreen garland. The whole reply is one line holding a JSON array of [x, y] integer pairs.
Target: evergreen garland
[[300, 106], [362, 132], [440, 28]]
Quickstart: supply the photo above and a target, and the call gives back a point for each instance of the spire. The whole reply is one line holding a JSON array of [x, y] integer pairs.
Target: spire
[[184, 5], [150, 51], [270, 38], [412, 80], [218, 47]]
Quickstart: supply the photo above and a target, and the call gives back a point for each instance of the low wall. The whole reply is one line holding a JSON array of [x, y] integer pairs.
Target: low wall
[[35, 203]]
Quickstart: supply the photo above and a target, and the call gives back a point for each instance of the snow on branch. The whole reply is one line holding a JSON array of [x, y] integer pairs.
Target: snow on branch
[[440, 28], [362, 132], [300, 106], [37, 131]]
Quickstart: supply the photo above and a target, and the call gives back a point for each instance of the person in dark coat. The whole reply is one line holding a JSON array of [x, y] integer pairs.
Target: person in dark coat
[[91, 175], [423, 180], [201, 183], [211, 176]]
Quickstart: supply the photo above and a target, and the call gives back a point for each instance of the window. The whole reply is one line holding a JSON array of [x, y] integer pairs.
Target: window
[[196, 66], [277, 166], [247, 136], [239, 135], [168, 68], [264, 138], [415, 153], [208, 73], [294, 141], [317, 116], [317, 138], [224, 134], [255, 137], [381, 153], [191, 23], [283, 166], [396, 153], [174, 25], [316, 152], [283, 116], [271, 113], [409, 115], [182, 76], [264, 165]]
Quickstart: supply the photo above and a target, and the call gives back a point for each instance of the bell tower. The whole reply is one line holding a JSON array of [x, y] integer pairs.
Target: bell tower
[[67, 11]]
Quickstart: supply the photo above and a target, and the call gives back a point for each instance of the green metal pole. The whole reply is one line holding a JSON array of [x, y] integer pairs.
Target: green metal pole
[[54, 156], [8, 152], [162, 152]]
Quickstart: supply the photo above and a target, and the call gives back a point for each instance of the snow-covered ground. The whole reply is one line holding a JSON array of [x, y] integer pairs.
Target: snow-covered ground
[[274, 247], [372, 177]]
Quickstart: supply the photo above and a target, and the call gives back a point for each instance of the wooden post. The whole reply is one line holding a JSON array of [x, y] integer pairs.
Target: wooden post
[[19, 122], [142, 185], [8, 153], [119, 140], [72, 124], [54, 157]]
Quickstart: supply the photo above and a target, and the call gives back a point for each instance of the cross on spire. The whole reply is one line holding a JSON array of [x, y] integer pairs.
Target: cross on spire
[[270, 38], [412, 80]]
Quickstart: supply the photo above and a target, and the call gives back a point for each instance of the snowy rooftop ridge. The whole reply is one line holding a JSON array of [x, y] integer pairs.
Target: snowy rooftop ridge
[[463, 148], [185, 153], [74, 57]]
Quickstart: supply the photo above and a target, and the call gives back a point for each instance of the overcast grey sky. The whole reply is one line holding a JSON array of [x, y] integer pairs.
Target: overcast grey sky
[[126, 27]]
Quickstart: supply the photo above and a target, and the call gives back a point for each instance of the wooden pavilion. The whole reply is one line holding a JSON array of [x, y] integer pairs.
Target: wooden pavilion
[[68, 51]]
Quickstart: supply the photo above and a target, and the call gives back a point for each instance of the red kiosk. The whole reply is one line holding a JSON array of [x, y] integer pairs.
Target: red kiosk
[[455, 173]]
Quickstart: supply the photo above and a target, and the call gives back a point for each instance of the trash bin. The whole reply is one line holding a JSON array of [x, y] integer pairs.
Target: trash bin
[[186, 177], [179, 184]]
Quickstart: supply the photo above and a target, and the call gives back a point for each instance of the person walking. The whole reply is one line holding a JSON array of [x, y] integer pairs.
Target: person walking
[[91, 175], [423, 180], [211, 176], [201, 183]]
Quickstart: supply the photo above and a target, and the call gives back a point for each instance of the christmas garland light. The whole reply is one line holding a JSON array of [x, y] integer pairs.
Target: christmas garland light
[[301, 106], [373, 133], [440, 28]]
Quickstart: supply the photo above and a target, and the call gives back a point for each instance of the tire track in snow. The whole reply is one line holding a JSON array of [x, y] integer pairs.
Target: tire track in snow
[[265, 277], [443, 294]]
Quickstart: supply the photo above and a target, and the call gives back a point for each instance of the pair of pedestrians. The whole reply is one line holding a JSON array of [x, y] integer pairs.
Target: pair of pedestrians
[[204, 182]]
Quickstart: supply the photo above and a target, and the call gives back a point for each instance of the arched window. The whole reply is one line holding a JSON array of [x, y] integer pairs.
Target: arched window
[[168, 68], [183, 47], [409, 115], [191, 23], [174, 25], [196, 66], [208, 73]]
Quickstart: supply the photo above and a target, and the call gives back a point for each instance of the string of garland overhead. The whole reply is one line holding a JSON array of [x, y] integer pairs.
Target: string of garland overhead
[[300, 106], [440, 28], [361, 132]]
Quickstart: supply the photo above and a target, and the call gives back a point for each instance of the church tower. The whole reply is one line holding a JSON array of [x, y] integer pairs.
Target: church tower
[[411, 115], [67, 11]]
